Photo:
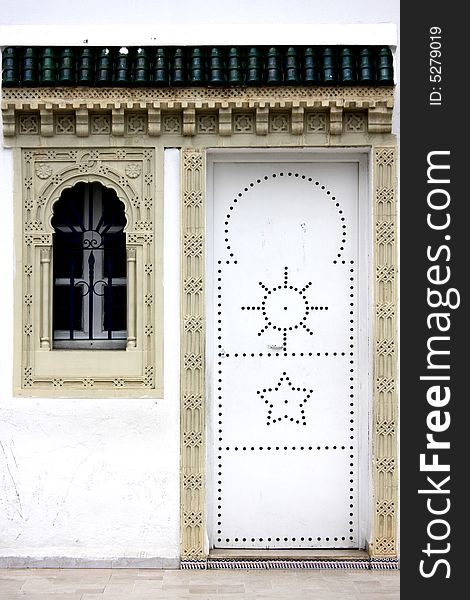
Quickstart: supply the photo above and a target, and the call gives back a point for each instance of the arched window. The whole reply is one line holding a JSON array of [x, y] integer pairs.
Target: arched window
[[89, 269]]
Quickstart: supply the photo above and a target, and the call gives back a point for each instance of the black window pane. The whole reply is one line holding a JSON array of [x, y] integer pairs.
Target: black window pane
[[115, 308], [113, 209], [68, 211], [67, 255], [114, 255], [67, 308], [89, 252]]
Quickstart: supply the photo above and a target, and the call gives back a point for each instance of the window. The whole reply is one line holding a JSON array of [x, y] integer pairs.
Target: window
[[89, 258], [89, 295]]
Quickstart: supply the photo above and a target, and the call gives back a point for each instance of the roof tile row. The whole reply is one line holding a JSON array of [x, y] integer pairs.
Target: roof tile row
[[197, 66]]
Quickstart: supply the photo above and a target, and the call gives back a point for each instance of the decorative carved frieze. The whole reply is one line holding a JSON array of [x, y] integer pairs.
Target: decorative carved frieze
[[193, 111]]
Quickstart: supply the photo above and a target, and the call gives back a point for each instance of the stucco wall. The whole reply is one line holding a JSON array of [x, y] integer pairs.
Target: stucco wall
[[99, 479], [87, 478], [153, 13]]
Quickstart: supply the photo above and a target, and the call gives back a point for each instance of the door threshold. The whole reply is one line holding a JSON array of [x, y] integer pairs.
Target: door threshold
[[275, 554], [219, 558]]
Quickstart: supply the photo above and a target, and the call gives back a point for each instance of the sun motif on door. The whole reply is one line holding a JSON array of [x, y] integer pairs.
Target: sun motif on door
[[285, 308]]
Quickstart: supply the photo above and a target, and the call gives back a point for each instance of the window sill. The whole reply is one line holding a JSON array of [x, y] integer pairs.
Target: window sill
[[89, 345], [70, 363]]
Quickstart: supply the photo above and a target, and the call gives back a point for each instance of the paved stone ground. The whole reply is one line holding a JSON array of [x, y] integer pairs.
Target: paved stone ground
[[150, 584]]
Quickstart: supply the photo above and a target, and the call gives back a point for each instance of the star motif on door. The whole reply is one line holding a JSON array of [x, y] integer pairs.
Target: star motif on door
[[285, 401], [285, 308]]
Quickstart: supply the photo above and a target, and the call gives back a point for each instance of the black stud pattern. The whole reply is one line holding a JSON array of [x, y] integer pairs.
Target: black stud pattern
[[290, 303], [310, 539], [301, 177], [285, 308], [290, 404], [352, 395]]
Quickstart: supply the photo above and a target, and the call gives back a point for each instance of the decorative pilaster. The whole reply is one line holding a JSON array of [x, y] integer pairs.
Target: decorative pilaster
[[385, 405], [45, 341], [131, 297], [192, 356]]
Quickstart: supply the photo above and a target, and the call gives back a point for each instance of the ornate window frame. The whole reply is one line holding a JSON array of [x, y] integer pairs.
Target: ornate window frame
[[45, 174], [109, 120]]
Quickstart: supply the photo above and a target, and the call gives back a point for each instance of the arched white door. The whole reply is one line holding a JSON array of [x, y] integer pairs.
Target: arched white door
[[283, 354]]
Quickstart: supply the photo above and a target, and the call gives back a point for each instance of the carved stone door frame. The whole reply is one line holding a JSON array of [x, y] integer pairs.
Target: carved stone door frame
[[382, 545]]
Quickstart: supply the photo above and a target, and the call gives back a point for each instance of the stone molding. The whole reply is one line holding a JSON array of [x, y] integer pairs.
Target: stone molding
[[90, 112], [193, 355], [385, 402]]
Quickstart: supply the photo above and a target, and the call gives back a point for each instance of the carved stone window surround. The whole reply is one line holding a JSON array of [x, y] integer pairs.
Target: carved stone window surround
[[46, 173]]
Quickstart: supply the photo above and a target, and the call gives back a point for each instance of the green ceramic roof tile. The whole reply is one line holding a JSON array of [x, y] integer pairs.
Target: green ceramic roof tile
[[197, 66]]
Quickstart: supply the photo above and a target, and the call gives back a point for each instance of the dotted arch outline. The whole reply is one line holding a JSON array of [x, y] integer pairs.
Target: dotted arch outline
[[300, 177]]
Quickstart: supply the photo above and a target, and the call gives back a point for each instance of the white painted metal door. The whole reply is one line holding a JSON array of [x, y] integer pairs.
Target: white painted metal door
[[284, 352]]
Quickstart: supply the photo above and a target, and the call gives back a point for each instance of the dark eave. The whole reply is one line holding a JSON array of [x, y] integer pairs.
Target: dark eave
[[197, 66]]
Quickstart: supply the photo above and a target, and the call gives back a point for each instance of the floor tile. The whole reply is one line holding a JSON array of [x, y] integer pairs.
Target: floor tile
[[203, 589], [223, 584], [230, 589]]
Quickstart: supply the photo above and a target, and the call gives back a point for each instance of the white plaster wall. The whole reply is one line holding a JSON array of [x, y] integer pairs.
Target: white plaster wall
[[88, 478], [93, 479], [99, 479], [155, 12]]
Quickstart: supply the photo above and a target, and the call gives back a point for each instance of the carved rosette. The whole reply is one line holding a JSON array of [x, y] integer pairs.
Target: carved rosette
[[46, 173]]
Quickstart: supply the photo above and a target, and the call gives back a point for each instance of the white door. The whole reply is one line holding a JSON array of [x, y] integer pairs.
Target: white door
[[284, 354]]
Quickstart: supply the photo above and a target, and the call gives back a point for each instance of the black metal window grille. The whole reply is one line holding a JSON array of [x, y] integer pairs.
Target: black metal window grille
[[89, 269]]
